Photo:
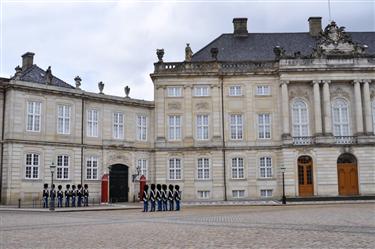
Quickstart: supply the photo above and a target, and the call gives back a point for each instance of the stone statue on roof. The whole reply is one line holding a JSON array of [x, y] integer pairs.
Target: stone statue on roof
[[188, 53]]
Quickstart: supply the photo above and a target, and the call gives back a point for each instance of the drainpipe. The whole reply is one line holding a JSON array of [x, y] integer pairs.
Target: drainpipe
[[221, 77], [82, 126], [2, 146]]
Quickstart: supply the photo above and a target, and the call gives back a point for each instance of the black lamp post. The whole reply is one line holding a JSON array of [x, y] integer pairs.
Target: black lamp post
[[284, 197], [52, 204]]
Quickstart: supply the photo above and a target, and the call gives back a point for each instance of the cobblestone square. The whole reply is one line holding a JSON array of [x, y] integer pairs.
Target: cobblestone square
[[300, 226]]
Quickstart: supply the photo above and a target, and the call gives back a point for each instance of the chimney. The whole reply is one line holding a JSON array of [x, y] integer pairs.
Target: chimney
[[315, 25], [240, 27], [27, 60]]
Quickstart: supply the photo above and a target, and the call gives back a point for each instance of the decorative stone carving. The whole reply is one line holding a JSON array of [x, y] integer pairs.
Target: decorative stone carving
[[160, 54], [127, 91], [118, 158], [174, 105], [202, 105], [299, 93], [101, 87], [18, 72], [78, 82], [339, 92], [49, 76], [188, 53], [279, 52]]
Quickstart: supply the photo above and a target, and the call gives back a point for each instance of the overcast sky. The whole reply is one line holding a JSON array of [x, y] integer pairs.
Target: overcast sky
[[115, 42]]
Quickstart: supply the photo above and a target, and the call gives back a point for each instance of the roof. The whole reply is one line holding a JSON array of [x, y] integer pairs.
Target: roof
[[37, 75], [259, 46]]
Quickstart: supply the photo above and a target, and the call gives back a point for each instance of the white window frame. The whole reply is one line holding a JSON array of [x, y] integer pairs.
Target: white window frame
[[93, 123], [300, 126], [238, 168], [203, 194], [201, 91], [92, 168], [33, 166], [118, 125], [342, 106], [203, 168], [235, 91], [236, 126], [63, 119], [238, 193], [266, 193], [143, 167], [174, 91], [264, 128], [202, 127], [263, 90], [142, 127], [33, 118], [175, 169], [62, 167], [265, 167], [174, 127]]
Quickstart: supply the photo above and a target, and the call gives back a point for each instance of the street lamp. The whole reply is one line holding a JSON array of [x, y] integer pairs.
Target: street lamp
[[52, 204], [284, 197]]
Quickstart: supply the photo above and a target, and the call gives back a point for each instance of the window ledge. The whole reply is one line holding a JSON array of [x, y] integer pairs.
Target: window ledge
[[266, 179]]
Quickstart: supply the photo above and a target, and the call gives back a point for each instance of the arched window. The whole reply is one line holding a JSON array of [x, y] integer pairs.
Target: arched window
[[300, 119], [340, 118]]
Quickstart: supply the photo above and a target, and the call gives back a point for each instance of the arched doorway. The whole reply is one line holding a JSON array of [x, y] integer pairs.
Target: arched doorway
[[305, 176], [118, 183], [347, 174]]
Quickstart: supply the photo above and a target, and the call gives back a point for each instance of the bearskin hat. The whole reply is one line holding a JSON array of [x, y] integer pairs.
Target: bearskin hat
[[170, 187], [86, 186], [53, 186], [153, 186], [79, 186], [59, 187], [164, 186], [158, 186], [45, 185], [73, 186], [177, 187], [146, 187]]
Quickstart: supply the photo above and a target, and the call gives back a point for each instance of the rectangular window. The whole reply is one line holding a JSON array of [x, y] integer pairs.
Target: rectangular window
[[203, 194], [92, 123], [265, 166], [141, 128], [62, 168], [174, 127], [32, 166], [236, 125], [263, 90], [264, 126], [174, 91], [201, 91], [33, 116], [237, 168], [203, 168], [202, 127], [266, 192], [174, 169], [92, 168], [235, 91], [118, 125], [142, 164], [238, 193], [63, 119]]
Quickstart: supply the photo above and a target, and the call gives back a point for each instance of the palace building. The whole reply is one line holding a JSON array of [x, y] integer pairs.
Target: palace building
[[225, 124]]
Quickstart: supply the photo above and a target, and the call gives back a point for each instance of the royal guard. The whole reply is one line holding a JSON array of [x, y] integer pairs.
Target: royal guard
[[52, 194], [152, 197], [45, 196], [177, 197], [60, 196], [145, 199], [79, 195], [170, 197], [67, 195], [158, 196], [74, 195], [86, 195], [164, 197]]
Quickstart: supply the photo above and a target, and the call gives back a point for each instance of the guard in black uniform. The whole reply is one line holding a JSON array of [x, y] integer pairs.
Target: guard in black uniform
[[74, 195], [52, 194], [170, 197], [45, 196], [86, 195], [177, 197], [152, 197], [79, 195], [145, 199], [67, 193], [158, 196], [60, 196], [164, 197]]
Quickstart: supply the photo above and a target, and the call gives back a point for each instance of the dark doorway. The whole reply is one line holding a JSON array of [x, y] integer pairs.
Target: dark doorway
[[118, 183]]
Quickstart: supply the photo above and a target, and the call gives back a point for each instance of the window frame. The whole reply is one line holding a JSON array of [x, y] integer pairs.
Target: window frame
[[340, 123], [174, 91], [236, 128], [202, 129], [118, 125], [32, 166], [175, 169], [142, 163], [63, 167], [262, 92], [199, 91], [92, 131], [237, 168], [267, 193], [235, 91], [33, 115], [299, 121], [238, 195], [262, 127], [92, 159], [175, 127], [203, 196], [266, 169], [142, 123], [66, 109], [203, 168]]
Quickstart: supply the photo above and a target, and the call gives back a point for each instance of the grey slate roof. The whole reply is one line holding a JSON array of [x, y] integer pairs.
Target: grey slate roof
[[37, 75], [259, 46]]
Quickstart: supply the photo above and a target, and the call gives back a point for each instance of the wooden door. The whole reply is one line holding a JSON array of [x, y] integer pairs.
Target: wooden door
[[305, 176], [347, 178]]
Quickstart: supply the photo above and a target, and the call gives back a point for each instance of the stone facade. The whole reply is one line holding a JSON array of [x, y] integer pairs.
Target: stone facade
[[221, 129]]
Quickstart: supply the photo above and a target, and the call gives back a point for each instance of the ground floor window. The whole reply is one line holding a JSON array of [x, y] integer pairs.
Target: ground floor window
[[174, 169], [266, 192], [32, 166], [203, 194], [238, 193]]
